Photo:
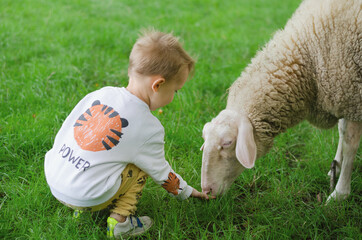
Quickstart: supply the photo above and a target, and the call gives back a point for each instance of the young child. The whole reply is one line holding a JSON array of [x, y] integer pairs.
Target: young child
[[110, 143]]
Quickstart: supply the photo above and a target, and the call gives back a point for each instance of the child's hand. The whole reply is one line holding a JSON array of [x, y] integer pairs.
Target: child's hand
[[197, 194]]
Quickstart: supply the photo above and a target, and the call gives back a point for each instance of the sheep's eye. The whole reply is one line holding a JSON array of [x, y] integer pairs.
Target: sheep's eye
[[227, 144]]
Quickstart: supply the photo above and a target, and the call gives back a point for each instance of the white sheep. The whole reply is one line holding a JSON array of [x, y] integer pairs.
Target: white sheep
[[310, 70]]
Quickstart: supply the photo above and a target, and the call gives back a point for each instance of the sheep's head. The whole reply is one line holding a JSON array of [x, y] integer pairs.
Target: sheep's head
[[228, 149]]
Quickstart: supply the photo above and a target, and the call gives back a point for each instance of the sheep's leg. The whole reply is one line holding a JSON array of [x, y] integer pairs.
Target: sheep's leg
[[339, 158], [350, 143]]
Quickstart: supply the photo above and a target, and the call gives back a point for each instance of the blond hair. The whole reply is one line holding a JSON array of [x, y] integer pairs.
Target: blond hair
[[157, 53]]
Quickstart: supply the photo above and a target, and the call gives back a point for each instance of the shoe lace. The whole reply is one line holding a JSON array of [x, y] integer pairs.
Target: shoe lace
[[139, 223]]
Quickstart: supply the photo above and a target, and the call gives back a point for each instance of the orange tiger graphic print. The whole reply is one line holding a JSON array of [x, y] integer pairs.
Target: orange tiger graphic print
[[172, 184], [99, 128]]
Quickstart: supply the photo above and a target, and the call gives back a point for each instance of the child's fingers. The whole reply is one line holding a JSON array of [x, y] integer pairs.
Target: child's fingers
[[201, 195], [205, 196]]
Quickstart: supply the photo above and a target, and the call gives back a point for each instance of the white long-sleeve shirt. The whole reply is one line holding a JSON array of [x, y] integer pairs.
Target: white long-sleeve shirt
[[107, 130]]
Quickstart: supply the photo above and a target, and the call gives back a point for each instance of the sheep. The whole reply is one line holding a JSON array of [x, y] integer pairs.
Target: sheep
[[311, 70]]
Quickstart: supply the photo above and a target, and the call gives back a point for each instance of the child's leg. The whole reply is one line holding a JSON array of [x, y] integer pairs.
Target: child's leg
[[120, 222], [133, 181], [123, 204]]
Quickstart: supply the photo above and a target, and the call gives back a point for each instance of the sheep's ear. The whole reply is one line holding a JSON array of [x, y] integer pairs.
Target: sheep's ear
[[205, 130], [202, 147], [245, 144]]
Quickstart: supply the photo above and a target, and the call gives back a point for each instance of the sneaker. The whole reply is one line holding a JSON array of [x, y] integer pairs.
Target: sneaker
[[77, 214], [133, 226]]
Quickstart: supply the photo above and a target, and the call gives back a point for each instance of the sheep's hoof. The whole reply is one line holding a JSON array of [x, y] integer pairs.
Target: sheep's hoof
[[332, 182], [337, 196]]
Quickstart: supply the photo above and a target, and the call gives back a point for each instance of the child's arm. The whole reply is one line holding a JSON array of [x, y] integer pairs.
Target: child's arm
[[151, 159]]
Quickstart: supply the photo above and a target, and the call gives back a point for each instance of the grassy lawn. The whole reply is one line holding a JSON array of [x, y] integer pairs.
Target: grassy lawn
[[52, 53]]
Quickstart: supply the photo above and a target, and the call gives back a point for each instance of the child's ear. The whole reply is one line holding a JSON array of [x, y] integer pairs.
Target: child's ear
[[157, 82]]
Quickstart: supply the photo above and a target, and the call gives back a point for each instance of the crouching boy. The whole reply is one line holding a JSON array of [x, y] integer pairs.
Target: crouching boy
[[110, 142]]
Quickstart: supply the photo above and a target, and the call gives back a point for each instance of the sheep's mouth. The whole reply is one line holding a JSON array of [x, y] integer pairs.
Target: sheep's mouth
[[213, 192], [209, 193]]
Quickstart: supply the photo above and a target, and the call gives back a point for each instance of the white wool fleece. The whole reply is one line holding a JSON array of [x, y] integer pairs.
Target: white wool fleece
[[312, 69]]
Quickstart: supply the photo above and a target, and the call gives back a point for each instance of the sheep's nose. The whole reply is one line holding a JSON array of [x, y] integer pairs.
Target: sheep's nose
[[206, 191], [206, 188], [209, 191]]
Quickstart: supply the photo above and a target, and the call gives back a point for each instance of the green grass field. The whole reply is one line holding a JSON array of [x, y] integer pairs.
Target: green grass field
[[52, 53]]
